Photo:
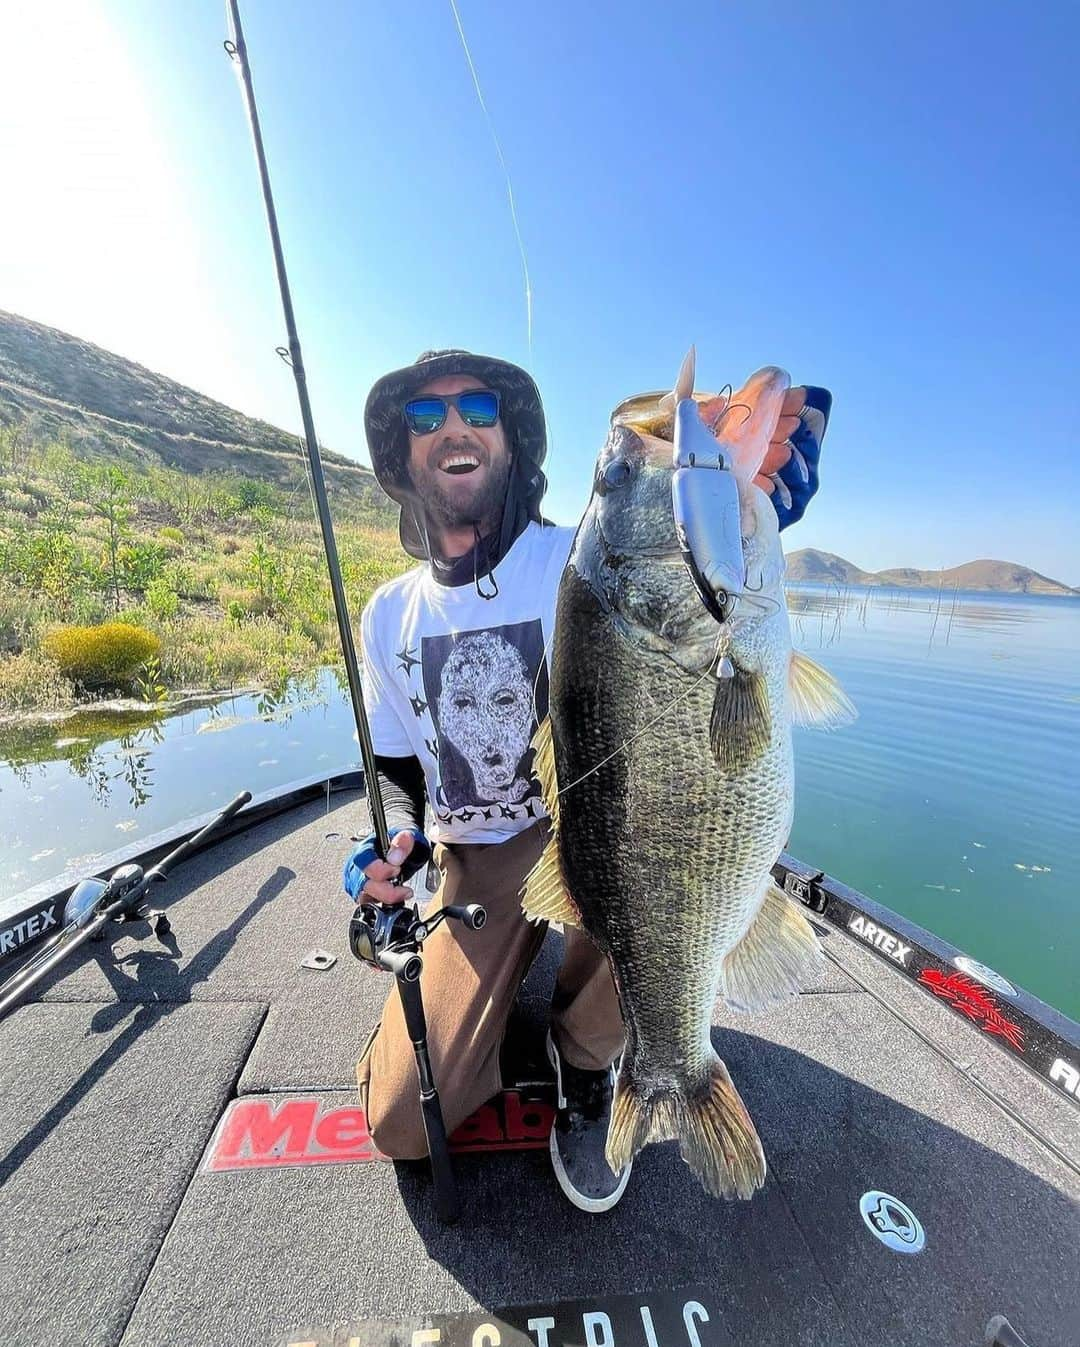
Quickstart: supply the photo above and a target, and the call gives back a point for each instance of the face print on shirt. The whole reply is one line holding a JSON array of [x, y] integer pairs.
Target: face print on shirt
[[479, 687]]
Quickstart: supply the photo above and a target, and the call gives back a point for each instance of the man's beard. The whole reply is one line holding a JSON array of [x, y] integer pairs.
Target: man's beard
[[485, 506]]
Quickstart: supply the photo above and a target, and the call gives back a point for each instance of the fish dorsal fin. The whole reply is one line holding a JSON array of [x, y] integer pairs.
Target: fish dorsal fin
[[816, 697], [545, 895]]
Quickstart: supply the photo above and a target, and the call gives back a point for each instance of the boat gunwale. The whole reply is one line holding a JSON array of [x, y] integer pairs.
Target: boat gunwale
[[1048, 1037]]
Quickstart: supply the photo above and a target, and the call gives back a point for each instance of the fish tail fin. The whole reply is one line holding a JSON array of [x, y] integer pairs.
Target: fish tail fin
[[774, 959], [633, 1120], [716, 1136]]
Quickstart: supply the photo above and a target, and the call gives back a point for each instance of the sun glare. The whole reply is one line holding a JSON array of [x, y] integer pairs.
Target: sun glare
[[94, 237]]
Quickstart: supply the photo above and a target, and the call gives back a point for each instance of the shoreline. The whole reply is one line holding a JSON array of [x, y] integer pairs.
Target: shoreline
[[186, 699]]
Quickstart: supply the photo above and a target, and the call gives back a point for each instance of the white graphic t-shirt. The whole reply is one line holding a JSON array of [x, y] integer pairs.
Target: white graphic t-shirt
[[462, 682]]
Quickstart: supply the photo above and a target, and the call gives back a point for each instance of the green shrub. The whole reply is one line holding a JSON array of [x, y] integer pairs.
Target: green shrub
[[14, 499], [30, 681], [149, 685], [140, 563], [255, 496], [100, 656], [172, 535], [162, 599]]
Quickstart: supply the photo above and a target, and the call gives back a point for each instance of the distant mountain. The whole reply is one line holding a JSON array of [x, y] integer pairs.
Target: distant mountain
[[809, 566], [106, 405]]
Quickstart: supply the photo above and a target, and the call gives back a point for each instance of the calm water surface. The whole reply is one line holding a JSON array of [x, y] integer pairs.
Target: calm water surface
[[952, 799]]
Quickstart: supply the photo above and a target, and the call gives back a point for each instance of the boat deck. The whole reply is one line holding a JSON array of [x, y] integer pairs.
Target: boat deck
[[115, 1079]]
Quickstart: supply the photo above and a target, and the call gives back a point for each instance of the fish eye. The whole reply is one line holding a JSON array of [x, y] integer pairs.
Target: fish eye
[[617, 473]]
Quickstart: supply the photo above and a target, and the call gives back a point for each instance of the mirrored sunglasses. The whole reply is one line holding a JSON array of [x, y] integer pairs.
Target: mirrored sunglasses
[[478, 407]]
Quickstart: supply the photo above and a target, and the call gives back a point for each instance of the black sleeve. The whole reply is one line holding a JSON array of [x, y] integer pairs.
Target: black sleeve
[[401, 782]]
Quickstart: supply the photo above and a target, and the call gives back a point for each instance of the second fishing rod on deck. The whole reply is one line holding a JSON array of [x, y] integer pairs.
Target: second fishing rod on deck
[[386, 937]]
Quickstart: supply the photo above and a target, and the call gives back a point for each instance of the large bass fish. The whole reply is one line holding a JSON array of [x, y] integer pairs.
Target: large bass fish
[[666, 763]]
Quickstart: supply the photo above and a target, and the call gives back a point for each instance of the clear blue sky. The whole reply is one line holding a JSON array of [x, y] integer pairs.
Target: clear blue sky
[[882, 199]]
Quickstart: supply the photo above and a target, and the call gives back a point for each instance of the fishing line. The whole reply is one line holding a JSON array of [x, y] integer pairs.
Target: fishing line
[[659, 716], [506, 171]]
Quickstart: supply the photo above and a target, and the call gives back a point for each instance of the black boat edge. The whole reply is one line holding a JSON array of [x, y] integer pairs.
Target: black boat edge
[[1029, 1031], [27, 917], [1017, 1023]]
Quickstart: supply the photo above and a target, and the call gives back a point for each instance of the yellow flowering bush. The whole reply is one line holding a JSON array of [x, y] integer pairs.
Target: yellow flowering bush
[[101, 656]]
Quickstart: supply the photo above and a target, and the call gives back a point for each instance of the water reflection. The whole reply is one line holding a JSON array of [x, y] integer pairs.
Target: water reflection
[[106, 777], [838, 607], [27, 749]]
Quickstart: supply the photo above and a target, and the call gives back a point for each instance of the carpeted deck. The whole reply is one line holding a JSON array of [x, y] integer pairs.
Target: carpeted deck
[[113, 1081]]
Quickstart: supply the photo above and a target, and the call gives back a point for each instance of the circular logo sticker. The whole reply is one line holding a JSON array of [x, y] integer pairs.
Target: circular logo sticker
[[986, 976], [889, 1220]]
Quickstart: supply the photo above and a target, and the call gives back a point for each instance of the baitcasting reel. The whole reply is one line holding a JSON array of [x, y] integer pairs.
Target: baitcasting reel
[[389, 937]]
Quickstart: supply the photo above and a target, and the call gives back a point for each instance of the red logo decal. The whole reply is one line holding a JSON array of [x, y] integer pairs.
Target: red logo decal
[[261, 1132], [972, 999], [508, 1123]]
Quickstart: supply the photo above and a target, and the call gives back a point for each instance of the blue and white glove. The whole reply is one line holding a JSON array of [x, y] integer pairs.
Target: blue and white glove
[[796, 479], [362, 855]]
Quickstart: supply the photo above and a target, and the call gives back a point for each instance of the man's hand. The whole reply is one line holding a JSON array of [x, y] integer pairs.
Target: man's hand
[[367, 878], [779, 450], [789, 473]]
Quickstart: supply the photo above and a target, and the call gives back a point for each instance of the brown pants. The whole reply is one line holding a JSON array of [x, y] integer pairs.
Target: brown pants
[[470, 980]]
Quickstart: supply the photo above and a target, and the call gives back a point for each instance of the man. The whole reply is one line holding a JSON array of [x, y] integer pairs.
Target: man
[[455, 683]]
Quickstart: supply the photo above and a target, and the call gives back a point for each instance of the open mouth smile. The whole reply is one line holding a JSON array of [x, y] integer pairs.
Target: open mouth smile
[[458, 465]]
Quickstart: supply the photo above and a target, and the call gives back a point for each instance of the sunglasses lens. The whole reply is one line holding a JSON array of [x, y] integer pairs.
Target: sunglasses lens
[[479, 409], [425, 415]]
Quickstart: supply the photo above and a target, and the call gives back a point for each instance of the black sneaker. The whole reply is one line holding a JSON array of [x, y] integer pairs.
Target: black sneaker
[[578, 1138]]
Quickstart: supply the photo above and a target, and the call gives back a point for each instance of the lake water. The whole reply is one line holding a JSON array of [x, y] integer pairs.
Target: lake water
[[952, 799]]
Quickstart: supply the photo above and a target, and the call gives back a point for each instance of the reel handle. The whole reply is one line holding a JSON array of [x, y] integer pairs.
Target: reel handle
[[404, 964], [471, 915]]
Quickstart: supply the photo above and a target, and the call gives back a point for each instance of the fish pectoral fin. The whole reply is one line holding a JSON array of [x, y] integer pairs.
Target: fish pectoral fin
[[716, 1136], [543, 746], [816, 697], [775, 959], [741, 723], [545, 894]]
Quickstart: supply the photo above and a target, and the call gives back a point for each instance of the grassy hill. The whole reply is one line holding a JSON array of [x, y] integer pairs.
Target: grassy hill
[[101, 404], [811, 566], [128, 498]]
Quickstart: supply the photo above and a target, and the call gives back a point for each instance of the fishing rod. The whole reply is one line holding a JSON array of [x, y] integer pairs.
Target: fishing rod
[[387, 937], [95, 902]]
